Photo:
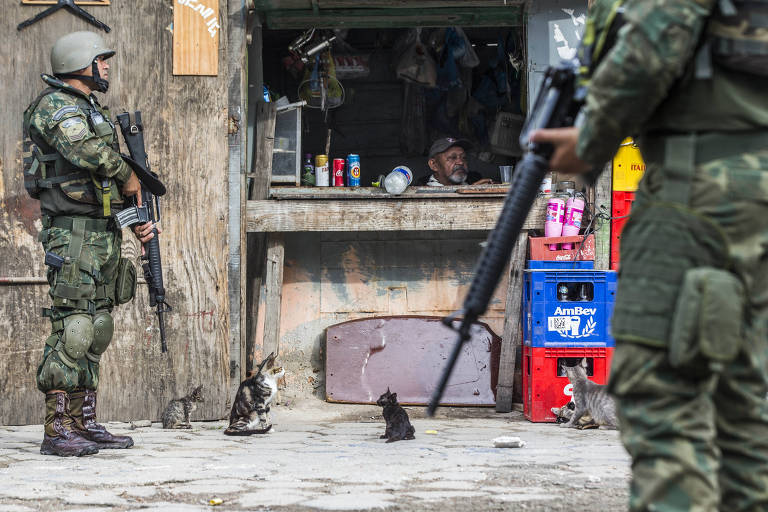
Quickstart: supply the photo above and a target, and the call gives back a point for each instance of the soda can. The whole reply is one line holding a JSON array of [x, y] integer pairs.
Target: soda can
[[338, 172], [353, 170], [322, 176]]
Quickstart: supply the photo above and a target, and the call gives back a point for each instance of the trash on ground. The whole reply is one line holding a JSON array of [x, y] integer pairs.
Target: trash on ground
[[508, 442]]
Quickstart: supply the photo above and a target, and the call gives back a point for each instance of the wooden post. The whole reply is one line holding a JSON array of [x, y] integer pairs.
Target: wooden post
[[259, 179], [236, 178], [603, 203], [510, 339], [273, 289]]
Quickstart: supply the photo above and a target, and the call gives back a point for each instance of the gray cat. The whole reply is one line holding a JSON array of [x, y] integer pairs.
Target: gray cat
[[590, 398], [177, 414]]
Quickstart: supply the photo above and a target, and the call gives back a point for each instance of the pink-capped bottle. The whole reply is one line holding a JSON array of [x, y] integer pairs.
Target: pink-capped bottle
[[574, 210], [553, 225]]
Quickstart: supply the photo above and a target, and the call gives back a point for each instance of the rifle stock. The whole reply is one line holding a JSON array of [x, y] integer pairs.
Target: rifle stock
[[556, 106]]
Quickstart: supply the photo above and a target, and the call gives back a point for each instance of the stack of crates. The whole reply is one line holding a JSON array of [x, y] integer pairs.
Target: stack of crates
[[566, 308], [628, 169]]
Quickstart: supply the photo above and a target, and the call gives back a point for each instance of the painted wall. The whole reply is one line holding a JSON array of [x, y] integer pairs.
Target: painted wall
[[186, 136], [554, 33], [334, 277]]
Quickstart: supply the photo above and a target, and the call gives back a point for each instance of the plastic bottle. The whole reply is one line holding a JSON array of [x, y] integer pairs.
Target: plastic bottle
[[553, 225], [546, 185], [574, 209], [308, 173], [398, 180]]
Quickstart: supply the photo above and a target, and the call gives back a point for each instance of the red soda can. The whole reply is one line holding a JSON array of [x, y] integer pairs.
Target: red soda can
[[338, 172]]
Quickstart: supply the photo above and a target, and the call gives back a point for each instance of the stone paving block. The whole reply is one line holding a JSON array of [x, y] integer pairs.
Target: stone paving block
[[271, 498], [361, 501], [94, 497], [15, 508], [208, 487], [443, 495]]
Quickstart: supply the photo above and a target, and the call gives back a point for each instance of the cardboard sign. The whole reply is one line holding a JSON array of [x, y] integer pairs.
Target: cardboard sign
[[196, 30]]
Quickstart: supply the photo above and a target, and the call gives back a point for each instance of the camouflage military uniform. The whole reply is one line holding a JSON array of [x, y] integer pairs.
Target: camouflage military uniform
[[86, 283], [73, 166], [690, 372]]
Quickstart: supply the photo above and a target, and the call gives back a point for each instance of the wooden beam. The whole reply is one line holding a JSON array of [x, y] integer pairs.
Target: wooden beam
[[376, 193], [385, 215], [510, 16], [280, 5], [273, 290], [510, 339]]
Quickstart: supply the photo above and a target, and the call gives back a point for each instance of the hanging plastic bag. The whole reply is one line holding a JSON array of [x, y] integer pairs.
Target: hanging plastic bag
[[416, 65]]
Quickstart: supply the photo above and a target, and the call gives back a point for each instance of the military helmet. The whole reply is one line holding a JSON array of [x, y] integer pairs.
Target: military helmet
[[77, 51]]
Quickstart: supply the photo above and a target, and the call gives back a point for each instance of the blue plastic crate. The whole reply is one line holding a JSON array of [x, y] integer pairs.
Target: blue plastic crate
[[560, 265], [580, 316]]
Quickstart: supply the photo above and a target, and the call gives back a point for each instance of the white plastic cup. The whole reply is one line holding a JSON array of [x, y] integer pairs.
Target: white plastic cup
[[398, 180], [574, 209], [506, 173], [553, 225]]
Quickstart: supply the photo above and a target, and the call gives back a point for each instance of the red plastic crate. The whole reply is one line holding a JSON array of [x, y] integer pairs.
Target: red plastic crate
[[539, 248], [544, 389], [621, 205]]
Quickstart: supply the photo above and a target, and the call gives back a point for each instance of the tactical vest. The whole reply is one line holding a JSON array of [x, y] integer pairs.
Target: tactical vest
[[45, 168], [735, 37]]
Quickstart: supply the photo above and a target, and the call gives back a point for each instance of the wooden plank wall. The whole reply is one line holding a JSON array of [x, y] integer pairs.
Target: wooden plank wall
[[185, 129]]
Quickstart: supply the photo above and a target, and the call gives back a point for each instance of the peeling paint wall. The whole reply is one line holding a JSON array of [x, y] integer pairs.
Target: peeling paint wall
[[334, 277]]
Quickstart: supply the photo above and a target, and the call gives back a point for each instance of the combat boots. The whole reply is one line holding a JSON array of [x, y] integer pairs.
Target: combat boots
[[84, 413], [61, 438]]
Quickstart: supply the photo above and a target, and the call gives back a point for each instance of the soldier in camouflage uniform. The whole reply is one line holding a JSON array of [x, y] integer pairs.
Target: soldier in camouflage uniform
[[690, 371], [76, 171]]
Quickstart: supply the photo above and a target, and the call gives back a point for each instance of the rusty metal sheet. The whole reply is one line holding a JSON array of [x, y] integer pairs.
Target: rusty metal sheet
[[407, 354]]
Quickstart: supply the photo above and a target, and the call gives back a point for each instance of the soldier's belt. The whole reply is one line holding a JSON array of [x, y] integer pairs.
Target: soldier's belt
[[707, 146], [63, 222]]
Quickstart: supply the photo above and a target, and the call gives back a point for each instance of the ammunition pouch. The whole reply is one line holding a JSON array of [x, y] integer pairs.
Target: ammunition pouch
[[103, 328], [125, 285], [76, 339], [708, 318]]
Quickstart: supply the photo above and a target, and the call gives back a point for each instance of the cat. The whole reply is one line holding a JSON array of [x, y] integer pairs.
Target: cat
[[398, 425], [250, 410], [590, 398], [178, 411], [565, 413]]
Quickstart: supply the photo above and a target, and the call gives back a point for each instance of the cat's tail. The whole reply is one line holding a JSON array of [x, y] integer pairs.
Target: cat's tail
[[237, 432]]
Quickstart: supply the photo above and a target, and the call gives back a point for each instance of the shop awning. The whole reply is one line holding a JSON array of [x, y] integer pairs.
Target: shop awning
[[301, 14]]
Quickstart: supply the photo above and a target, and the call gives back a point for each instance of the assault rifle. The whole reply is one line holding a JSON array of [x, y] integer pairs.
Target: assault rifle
[[556, 106], [149, 211]]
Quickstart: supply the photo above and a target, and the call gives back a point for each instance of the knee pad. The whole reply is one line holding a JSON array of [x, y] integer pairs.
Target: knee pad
[[76, 338], [103, 328]]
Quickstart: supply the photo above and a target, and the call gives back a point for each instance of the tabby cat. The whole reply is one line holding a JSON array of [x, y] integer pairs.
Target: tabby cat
[[250, 410], [590, 398], [398, 425], [178, 411]]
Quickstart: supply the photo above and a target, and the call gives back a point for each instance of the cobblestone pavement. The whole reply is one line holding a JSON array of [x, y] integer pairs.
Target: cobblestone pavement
[[325, 458]]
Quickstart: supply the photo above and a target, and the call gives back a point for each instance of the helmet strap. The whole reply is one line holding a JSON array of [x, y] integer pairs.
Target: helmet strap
[[98, 83]]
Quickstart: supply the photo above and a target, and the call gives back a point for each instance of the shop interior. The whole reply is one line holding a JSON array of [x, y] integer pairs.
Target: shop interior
[[387, 94]]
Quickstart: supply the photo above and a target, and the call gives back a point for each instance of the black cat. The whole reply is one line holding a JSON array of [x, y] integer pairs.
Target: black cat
[[398, 425]]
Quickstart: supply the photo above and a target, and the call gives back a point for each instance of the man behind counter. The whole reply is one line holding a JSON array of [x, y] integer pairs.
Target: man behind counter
[[448, 161]]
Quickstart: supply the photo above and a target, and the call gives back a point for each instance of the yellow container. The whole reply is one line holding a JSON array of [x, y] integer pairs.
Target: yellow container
[[628, 167]]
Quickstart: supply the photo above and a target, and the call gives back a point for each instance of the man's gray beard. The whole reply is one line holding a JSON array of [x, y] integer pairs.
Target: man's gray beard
[[458, 176]]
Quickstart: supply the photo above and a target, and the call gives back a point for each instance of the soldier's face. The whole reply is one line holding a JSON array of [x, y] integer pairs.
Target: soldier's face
[[450, 166], [103, 65]]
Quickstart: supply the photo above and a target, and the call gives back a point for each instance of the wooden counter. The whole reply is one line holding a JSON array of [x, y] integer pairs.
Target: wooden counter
[[474, 207]]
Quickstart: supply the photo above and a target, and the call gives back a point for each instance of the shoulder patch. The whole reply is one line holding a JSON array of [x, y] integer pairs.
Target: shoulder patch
[[74, 128], [69, 109]]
